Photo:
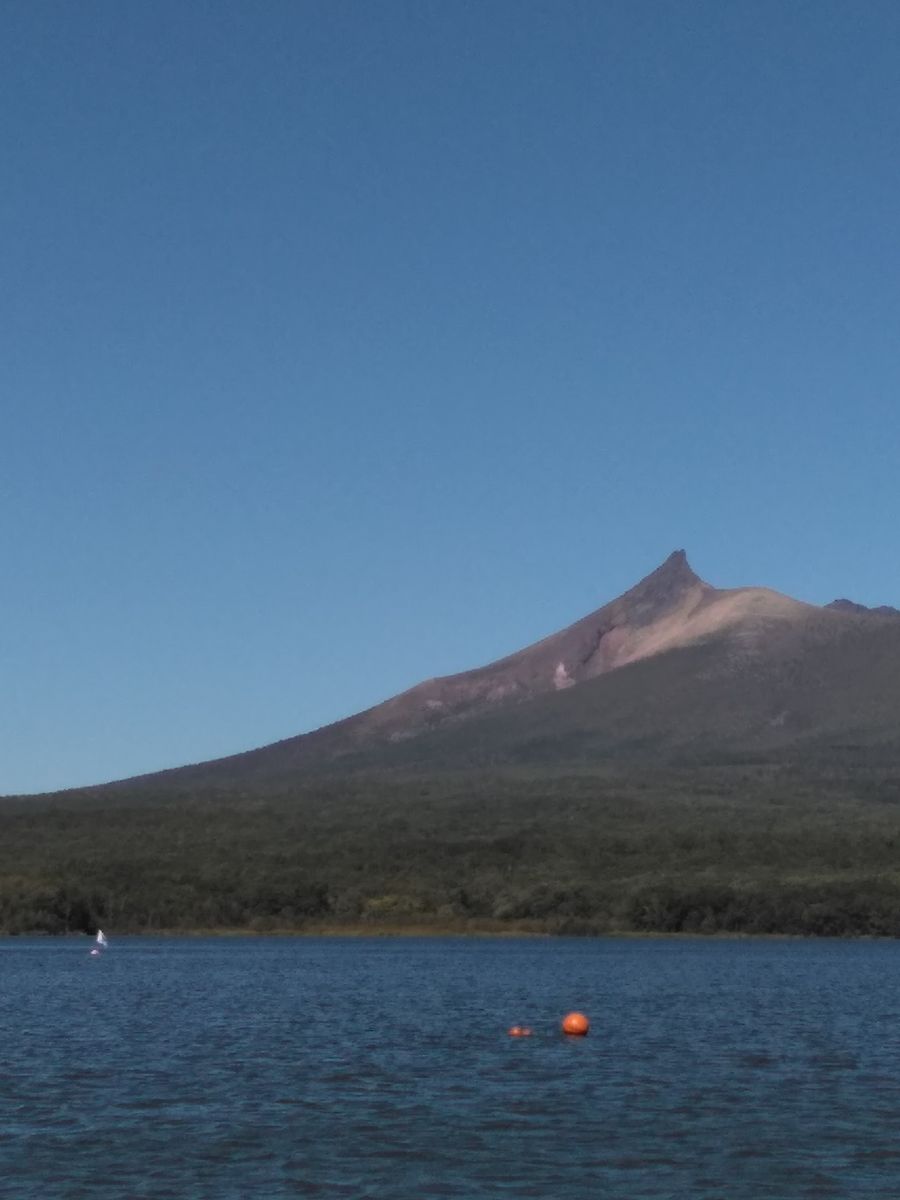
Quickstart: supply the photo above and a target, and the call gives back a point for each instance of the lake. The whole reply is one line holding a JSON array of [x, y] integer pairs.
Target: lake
[[381, 1068]]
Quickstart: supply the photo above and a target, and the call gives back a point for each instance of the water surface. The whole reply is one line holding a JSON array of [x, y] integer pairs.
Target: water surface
[[276, 1067]]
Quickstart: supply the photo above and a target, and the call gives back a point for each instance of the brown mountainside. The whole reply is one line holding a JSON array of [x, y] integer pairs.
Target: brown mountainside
[[672, 665]]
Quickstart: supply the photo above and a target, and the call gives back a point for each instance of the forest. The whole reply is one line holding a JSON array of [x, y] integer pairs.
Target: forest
[[738, 848]]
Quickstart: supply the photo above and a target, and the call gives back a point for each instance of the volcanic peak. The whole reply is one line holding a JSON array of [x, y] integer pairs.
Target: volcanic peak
[[662, 588]]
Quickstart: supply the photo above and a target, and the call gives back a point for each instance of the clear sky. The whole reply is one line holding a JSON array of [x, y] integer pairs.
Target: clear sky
[[350, 343]]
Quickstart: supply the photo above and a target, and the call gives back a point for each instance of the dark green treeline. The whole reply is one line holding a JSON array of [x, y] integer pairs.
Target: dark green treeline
[[740, 848]]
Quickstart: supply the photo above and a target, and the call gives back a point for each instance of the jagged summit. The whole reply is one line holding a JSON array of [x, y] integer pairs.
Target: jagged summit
[[674, 572], [675, 569], [670, 581]]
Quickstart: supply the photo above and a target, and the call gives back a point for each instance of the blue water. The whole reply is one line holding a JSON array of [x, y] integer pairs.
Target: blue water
[[270, 1068]]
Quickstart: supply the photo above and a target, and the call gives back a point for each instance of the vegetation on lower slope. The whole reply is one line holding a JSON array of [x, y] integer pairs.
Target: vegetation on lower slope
[[745, 847]]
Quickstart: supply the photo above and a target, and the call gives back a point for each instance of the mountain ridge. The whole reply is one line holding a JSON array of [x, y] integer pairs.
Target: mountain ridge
[[745, 665]]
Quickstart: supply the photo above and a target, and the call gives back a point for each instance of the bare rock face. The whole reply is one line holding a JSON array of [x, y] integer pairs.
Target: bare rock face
[[644, 620], [669, 609]]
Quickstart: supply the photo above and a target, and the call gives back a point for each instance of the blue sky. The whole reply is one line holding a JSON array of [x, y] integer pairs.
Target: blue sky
[[347, 344]]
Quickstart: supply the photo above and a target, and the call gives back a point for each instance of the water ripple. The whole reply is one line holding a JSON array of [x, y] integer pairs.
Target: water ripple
[[275, 1068]]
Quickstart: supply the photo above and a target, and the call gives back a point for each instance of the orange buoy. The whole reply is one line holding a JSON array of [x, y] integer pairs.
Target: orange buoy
[[520, 1031], [576, 1023]]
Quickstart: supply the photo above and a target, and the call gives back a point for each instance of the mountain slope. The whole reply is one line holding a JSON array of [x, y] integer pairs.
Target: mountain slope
[[672, 667]]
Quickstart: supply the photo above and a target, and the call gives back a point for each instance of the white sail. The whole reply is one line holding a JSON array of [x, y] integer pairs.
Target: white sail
[[101, 939]]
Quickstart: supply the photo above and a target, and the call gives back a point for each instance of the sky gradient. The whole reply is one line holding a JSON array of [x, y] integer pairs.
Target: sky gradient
[[348, 344]]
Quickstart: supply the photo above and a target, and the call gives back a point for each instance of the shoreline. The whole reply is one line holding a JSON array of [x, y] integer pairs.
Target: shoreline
[[369, 932]]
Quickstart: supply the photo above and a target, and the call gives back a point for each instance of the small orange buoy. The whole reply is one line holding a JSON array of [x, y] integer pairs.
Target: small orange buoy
[[520, 1031], [576, 1023]]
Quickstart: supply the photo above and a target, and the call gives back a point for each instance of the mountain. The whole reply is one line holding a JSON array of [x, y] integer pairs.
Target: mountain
[[673, 667], [685, 758]]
